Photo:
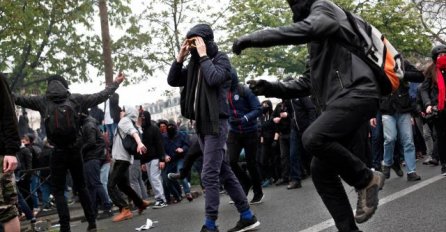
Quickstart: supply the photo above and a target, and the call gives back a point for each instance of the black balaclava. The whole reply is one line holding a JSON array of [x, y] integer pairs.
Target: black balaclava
[[300, 8], [268, 108], [205, 32], [171, 130]]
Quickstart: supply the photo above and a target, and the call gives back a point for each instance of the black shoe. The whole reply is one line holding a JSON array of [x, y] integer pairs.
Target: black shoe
[[105, 214], [281, 182], [368, 198], [205, 229], [443, 169], [397, 168], [245, 225], [433, 162], [386, 171], [257, 199], [413, 176], [427, 160], [91, 228], [294, 185]]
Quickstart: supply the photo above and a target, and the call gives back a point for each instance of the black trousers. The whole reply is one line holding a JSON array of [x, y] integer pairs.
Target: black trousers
[[440, 129], [64, 159], [338, 141], [119, 180], [248, 141]]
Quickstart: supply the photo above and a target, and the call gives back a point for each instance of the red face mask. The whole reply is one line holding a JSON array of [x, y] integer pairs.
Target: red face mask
[[441, 62]]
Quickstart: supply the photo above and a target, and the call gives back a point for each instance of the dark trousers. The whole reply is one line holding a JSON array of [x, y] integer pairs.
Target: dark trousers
[[377, 142], [440, 129], [297, 153], [94, 184], [217, 170], [64, 159], [119, 180], [248, 141], [338, 141], [285, 156]]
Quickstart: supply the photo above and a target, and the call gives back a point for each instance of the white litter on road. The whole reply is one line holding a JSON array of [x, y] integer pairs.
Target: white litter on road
[[148, 225]]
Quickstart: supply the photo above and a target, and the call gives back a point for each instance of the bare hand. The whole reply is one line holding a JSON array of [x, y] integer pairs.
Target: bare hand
[[373, 122], [167, 159], [9, 163], [283, 114], [429, 110], [162, 165], [184, 51], [179, 150], [120, 78], [201, 46], [143, 168], [276, 120], [141, 149]]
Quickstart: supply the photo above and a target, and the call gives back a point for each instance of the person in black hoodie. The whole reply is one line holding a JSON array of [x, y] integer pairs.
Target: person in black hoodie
[[67, 156], [346, 90], [9, 146], [269, 142], [153, 160], [93, 154], [205, 83]]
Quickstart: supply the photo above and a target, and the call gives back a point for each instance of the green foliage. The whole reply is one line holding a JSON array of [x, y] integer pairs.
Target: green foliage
[[251, 15]]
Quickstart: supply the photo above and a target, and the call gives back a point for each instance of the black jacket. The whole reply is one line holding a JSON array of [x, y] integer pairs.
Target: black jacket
[[399, 101], [284, 126], [304, 113], [334, 70], [152, 139], [93, 144], [429, 89], [9, 134], [56, 91]]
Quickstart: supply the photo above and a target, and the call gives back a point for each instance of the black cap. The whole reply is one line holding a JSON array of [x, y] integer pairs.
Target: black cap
[[437, 50]]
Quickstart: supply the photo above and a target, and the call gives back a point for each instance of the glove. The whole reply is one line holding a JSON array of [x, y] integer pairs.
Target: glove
[[239, 45], [259, 87]]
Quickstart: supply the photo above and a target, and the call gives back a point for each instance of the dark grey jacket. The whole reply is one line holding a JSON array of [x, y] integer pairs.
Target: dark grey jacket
[[334, 70]]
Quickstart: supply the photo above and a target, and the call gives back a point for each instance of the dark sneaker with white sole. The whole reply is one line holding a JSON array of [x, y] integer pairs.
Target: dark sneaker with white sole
[[257, 199], [368, 198], [205, 229], [246, 225]]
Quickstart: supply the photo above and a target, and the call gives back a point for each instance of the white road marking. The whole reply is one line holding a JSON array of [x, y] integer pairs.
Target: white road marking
[[329, 223]]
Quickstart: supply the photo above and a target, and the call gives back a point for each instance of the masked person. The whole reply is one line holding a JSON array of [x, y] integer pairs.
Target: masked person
[[205, 83], [433, 96], [60, 109], [346, 91]]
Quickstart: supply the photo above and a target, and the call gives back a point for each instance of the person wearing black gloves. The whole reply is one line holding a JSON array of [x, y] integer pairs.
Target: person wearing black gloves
[[347, 93], [205, 83]]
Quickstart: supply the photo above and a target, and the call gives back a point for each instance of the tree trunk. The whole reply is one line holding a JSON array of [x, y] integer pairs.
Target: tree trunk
[[106, 42]]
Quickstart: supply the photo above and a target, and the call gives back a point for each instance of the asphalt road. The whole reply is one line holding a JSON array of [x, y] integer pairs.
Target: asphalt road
[[404, 206]]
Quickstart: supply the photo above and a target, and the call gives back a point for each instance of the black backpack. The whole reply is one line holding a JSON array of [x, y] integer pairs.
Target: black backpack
[[62, 122]]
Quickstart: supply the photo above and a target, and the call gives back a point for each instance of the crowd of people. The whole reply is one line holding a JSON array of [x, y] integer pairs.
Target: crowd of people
[[332, 123]]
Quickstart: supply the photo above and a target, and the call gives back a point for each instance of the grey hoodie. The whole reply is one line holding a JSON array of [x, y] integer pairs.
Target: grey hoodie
[[125, 128]]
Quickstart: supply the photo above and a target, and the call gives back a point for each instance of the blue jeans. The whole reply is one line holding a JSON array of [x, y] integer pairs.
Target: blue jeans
[[105, 171], [183, 182], [45, 188], [399, 125], [34, 186], [111, 128]]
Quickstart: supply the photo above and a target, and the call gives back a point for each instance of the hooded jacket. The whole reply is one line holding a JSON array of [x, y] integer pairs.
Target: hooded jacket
[[126, 127], [267, 127], [243, 104], [9, 134], [152, 138], [333, 71], [206, 81], [57, 92], [93, 144]]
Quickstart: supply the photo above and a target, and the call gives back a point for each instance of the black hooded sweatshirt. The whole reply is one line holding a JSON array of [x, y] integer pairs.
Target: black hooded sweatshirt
[[9, 134], [152, 139], [206, 82]]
